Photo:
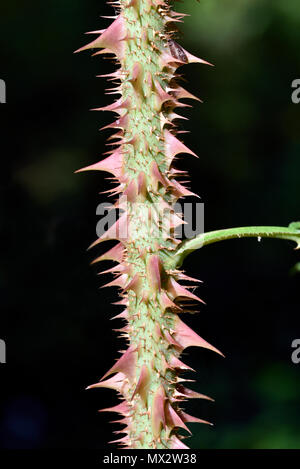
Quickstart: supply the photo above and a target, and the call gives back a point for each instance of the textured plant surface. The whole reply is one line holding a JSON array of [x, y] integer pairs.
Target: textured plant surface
[[148, 375]]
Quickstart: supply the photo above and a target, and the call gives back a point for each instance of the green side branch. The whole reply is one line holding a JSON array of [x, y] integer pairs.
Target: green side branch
[[291, 233]]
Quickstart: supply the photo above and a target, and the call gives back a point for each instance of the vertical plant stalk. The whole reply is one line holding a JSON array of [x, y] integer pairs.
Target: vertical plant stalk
[[147, 375]]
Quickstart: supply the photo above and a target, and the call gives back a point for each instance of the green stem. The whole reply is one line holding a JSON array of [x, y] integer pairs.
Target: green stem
[[291, 233]]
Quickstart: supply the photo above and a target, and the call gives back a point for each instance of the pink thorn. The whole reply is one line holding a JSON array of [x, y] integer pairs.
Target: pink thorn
[[175, 146], [142, 184], [137, 76], [126, 364], [110, 76], [173, 419], [166, 60], [135, 284], [182, 276], [143, 384], [117, 106], [116, 383], [190, 419], [130, 193], [123, 329], [157, 175], [118, 282], [181, 56], [112, 38], [113, 164], [118, 230], [190, 394], [122, 408], [171, 340], [120, 123], [186, 337], [123, 315], [162, 95], [176, 363], [115, 254], [124, 421], [167, 303], [176, 221], [116, 269], [181, 93], [180, 191], [178, 291], [154, 272], [158, 411], [157, 330], [193, 59], [101, 52], [174, 116], [123, 441], [177, 444], [123, 302], [100, 31]]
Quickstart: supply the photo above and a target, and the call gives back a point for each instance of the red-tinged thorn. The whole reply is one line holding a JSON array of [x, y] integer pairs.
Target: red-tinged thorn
[[175, 146], [112, 164], [137, 76], [176, 363], [157, 175], [190, 419], [112, 38], [190, 394], [168, 303], [130, 193], [158, 411], [142, 386], [118, 282], [182, 276], [135, 284], [118, 230], [100, 31], [178, 290], [123, 302], [124, 440], [157, 330], [194, 59], [123, 315], [115, 254], [177, 443], [116, 383], [142, 184], [181, 93], [122, 408], [117, 106], [172, 341], [186, 337], [126, 364], [173, 419], [116, 270], [154, 271], [120, 123], [162, 95]]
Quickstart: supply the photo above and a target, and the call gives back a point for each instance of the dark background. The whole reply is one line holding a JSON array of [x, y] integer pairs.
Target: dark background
[[54, 319]]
